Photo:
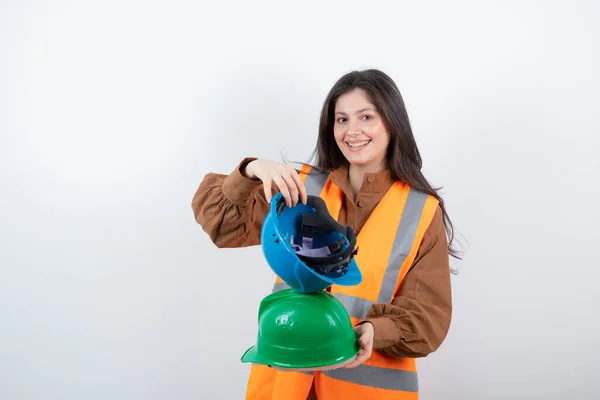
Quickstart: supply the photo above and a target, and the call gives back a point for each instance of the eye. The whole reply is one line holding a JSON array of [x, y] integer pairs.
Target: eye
[[341, 120], [367, 117]]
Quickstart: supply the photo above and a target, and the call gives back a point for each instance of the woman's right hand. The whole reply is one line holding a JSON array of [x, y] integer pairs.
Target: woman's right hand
[[283, 176]]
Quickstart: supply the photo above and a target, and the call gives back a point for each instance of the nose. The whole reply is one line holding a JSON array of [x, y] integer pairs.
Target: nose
[[353, 128]]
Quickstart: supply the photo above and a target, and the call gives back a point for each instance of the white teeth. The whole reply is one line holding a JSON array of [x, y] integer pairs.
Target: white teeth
[[354, 145]]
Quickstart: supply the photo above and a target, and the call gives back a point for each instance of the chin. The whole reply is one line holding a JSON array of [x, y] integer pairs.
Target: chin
[[362, 162], [359, 161]]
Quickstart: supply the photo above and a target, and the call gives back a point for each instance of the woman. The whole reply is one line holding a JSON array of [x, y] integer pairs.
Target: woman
[[369, 169]]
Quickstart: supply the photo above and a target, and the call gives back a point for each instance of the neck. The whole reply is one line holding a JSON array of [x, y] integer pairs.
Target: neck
[[356, 174]]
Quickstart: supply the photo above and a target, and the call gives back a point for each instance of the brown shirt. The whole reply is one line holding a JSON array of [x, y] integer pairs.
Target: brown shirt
[[231, 208]]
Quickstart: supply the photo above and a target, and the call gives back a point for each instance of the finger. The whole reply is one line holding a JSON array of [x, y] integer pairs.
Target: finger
[[353, 364], [267, 189], [283, 189], [292, 188], [366, 342], [360, 358], [300, 185], [368, 349]]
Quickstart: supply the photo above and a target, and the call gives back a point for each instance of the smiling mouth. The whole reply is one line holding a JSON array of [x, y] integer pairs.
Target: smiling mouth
[[358, 145]]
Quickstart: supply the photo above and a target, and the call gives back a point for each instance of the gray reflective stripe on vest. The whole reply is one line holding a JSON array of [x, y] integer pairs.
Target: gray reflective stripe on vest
[[280, 286], [377, 377], [315, 181], [357, 307], [405, 236]]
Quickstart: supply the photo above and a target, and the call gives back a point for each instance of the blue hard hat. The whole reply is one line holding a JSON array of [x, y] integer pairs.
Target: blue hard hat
[[307, 248]]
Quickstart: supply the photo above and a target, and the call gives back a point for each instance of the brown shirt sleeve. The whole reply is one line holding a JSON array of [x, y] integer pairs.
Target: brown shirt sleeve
[[231, 208], [418, 320]]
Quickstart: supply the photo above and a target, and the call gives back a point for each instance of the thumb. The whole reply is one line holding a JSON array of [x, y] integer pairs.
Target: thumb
[[364, 341]]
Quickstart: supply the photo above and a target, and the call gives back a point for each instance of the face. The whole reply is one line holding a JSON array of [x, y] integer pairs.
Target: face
[[360, 132]]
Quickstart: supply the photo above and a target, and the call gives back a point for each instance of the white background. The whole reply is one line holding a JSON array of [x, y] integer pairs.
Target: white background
[[111, 113]]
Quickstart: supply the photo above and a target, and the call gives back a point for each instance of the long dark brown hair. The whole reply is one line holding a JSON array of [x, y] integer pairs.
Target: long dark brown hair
[[403, 157]]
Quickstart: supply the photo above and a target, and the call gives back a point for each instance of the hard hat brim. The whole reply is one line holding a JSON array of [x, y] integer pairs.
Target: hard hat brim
[[252, 355], [352, 277]]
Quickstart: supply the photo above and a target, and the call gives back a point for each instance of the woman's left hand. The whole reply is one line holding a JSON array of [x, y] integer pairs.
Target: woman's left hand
[[365, 333]]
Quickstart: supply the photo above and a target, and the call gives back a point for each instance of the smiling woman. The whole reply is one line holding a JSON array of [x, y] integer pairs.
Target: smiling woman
[[360, 132], [368, 170]]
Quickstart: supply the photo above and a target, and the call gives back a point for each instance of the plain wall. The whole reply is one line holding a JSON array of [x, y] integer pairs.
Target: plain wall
[[111, 113]]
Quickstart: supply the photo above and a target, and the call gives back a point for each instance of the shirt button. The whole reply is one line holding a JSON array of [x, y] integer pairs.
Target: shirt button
[[370, 178], [362, 203]]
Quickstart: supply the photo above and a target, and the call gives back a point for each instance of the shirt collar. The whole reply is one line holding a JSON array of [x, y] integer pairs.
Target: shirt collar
[[376, 182]]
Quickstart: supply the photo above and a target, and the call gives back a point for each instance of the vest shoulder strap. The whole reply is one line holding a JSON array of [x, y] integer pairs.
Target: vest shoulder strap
[[314, 179]]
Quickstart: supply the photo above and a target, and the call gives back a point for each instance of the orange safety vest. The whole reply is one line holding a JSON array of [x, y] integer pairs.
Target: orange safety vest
[[388, 244]]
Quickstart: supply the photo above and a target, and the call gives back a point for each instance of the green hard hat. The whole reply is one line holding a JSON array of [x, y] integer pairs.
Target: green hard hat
[[297, 330]]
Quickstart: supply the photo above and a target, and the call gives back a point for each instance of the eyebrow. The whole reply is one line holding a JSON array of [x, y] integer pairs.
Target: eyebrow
[[359, 111]]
